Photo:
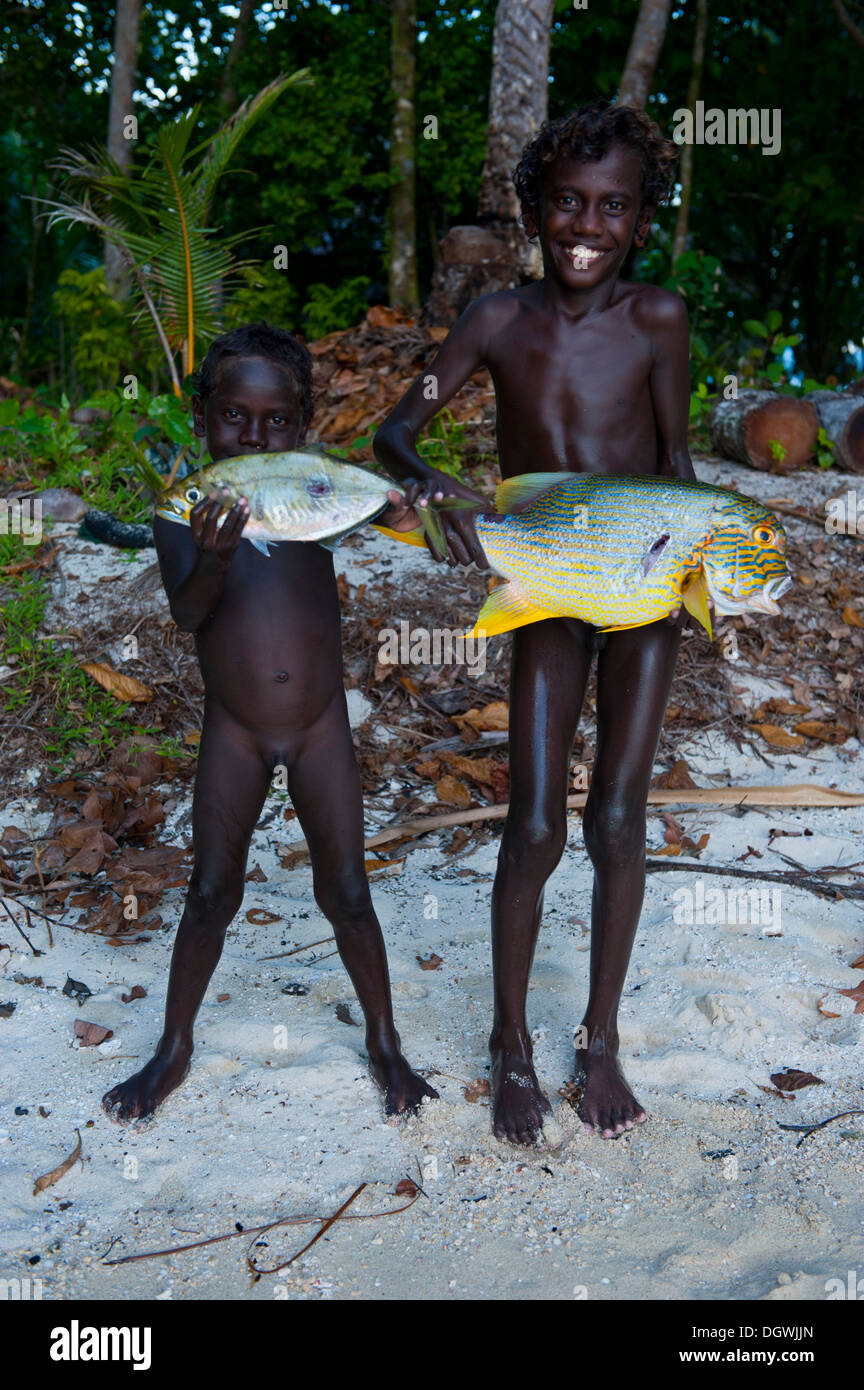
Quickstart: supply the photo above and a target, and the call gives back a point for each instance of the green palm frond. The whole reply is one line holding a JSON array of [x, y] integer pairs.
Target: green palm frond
[[158, 217]]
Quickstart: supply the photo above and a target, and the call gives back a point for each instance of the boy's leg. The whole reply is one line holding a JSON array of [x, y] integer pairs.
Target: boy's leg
[[325, 788], [634, 673], [230, 788], [551, 661]]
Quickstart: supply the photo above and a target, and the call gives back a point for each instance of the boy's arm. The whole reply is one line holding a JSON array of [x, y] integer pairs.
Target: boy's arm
[[670, 382], [194, 562], [395, 444]]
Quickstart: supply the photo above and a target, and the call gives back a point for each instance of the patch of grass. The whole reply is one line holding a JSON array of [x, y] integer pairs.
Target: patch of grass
[[47, 688]]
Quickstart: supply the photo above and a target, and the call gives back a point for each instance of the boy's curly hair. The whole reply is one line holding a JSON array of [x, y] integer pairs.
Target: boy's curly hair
[[259, 340], [587, 134]]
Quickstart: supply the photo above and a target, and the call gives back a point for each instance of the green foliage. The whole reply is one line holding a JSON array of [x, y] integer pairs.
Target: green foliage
[[157, 215], [444, 444], [762, 363], [824, 450], [328, 310], [75, 712], [263, 293], [98, 326], [777, 450]]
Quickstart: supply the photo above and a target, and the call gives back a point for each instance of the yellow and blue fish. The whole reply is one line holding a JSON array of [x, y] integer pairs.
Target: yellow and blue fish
[[622, 552]]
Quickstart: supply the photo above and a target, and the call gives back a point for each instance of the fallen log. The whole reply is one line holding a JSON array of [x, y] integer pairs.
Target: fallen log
[[798, 794], [841, 415], [746, 427]]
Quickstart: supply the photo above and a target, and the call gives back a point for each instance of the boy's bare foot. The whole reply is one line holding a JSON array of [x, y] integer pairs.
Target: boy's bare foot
[[608, 1107], [519, 1107], [404, 1091], [138, 1096]]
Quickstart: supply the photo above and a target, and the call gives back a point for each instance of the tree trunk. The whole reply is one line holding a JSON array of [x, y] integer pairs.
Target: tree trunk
[[228, 90], [842, 419], [402, 268], [644, 52], [518, 104], [119, 147], [745, 427], [497, 255], [679, 242]]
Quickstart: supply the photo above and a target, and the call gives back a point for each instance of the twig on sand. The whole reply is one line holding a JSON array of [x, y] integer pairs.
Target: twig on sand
[[834, 891], [17, 925], [272, 1226], [281, 954], [811, 1129]]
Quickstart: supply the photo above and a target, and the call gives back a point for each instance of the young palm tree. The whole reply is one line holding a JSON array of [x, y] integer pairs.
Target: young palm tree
[[157, 217]]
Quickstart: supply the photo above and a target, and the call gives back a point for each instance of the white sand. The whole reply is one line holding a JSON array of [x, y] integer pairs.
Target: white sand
[[261, 1130]]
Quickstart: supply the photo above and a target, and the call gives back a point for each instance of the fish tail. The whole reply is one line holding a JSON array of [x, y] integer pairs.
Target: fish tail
[[415, 537]]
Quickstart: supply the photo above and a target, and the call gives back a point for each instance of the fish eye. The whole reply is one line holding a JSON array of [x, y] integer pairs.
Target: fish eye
[[763, 535], [193, 494], [319, 487]]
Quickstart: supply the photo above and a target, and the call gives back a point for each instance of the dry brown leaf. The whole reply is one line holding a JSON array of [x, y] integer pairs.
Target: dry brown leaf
[[476, 1090], [459, 841], [91, 1034], [777, 737], [858, 964], [452, 792], [257, 875], [491, 718], [390, 867], [850, 617], [822, 1006], [125, 688], [430, 962], [789, 1079], [48, 1179], [260, 917], [405, 1188], [478, 769], [136, 992], [857, 994], [823, 731], [676, 779], [429, 769]]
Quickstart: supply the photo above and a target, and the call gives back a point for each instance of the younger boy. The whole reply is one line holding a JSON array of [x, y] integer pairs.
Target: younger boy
[[591, 375], [267, 631]]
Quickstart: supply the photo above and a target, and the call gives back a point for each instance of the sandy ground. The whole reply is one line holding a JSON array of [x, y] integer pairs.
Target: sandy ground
[[278, 1116]]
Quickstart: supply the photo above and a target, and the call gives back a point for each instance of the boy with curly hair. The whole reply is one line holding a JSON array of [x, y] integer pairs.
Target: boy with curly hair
[[267, 633], [591, 374]]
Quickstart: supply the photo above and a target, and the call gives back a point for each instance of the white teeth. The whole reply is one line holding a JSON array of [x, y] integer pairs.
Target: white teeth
[[583, 257]]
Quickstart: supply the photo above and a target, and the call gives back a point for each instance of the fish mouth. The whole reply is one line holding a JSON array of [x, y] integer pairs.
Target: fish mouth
[[172, 513], [764, 600]]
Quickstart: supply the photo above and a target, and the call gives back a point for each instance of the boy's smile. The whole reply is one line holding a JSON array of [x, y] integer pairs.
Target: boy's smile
[[588, 216], [255, 408]]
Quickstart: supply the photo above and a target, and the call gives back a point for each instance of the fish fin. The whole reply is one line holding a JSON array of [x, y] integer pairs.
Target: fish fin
[[332, 545], [516, 492], [263, 546], [415, 537], [505, 609], [628, 627], [695, 600]]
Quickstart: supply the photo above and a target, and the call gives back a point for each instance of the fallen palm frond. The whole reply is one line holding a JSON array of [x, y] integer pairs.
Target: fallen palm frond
[[799, 794]]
